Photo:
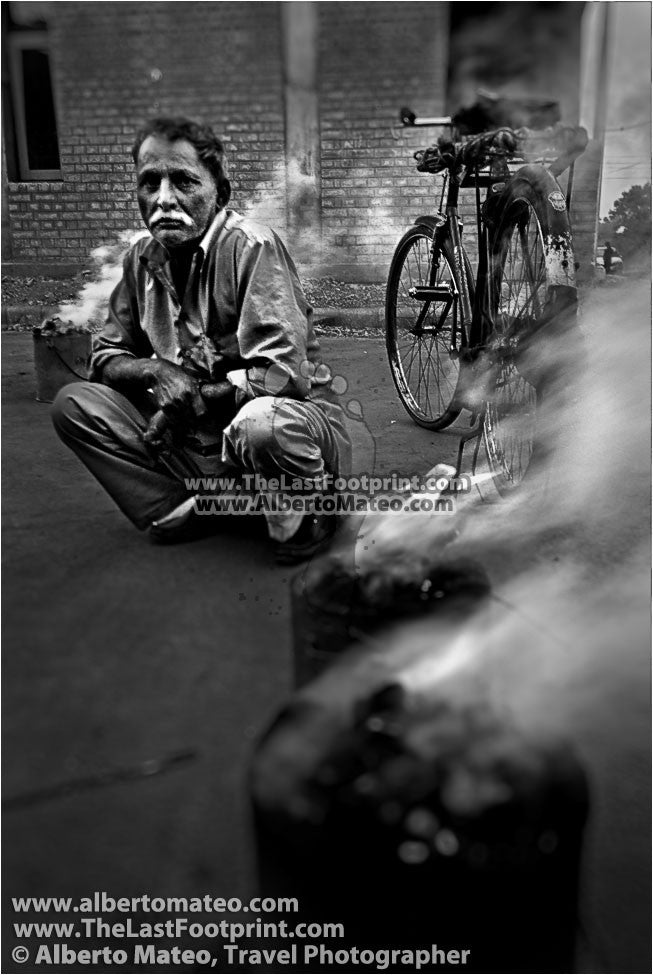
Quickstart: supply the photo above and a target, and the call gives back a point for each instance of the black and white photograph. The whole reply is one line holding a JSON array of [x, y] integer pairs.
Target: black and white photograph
[[326, 394]]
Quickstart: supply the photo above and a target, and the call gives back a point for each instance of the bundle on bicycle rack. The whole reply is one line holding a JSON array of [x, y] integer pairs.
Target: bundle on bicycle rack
[[517, 146], [396, 796]]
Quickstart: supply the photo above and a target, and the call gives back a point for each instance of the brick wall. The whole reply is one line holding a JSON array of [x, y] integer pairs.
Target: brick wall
[[116, 64], [374, 58]]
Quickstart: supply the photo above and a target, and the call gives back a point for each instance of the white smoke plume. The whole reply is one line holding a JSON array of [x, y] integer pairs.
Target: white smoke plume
[[563, 643], [90, 306], [583, 500]]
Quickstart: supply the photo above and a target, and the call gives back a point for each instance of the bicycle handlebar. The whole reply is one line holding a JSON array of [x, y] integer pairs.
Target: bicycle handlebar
[[409, 119]]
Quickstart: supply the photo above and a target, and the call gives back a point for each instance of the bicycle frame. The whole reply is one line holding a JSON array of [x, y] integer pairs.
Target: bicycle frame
[[472, 313], [475, 314], [524, 242]]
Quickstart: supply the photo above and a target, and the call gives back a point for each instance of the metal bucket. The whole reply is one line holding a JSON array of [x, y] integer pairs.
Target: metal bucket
[[438, 825], [59, 359], [335, 606]]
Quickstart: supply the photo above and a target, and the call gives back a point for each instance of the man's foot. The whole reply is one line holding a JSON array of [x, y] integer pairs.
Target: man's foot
[[183, 524], [313, 535]]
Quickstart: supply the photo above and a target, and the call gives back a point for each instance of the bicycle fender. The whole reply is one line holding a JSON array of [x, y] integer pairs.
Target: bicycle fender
[[558, 251], [537, 176], [432, 223], [437, 226]]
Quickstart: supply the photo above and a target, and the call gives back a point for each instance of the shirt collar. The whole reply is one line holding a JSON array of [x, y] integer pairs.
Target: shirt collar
[[156, 255], [213, 231]]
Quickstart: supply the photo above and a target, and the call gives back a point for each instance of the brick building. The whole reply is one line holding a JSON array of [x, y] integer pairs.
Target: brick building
[[306, 96]]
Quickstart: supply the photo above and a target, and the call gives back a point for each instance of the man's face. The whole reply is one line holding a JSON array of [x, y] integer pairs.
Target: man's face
[[176, 193]]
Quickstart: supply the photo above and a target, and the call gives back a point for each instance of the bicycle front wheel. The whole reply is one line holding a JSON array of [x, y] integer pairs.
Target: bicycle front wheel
[[532, 299], [424, 331]]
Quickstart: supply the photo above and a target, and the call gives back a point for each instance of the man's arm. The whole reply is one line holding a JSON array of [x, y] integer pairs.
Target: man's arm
[[174, 391], [121, 335], [122, 355], [177, 395], [273, 323]]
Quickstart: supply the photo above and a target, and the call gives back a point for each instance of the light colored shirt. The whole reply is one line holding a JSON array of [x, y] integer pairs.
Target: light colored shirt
[[244, 317]]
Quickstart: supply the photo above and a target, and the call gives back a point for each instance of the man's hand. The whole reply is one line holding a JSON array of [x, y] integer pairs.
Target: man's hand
[[175, 392], [155, 435], [178, 395]]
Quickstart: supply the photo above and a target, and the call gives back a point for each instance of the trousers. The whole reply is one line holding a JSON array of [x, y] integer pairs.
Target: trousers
[[269, 436]]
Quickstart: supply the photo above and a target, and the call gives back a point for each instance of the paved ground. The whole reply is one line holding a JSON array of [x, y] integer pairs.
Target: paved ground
[[136, 680], [119, 654]]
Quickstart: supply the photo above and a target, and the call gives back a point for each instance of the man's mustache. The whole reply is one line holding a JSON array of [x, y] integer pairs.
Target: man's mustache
[[178, 217]]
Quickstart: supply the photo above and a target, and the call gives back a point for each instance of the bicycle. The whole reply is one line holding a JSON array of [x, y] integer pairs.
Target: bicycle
[[483, 342]]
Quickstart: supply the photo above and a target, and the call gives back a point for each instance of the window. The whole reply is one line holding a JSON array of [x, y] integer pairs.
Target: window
[[32, 145]]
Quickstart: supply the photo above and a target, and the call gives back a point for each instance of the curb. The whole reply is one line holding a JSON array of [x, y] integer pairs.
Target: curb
[[354, 318], [11, 314]]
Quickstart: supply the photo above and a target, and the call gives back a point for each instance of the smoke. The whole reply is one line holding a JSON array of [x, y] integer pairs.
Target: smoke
[[90, 306], [629, 97], [562, 645], [265, 201], [591, 495], [290, 199], [584, 506], [519, 49]]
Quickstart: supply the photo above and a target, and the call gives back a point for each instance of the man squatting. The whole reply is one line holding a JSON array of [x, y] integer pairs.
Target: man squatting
[[208, 363]]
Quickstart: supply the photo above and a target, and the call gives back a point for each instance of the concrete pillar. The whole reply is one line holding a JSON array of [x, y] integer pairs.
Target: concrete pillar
[[585, 209], [594, 68], [6, 135], [6, 221], [300, 62], [595, 39]]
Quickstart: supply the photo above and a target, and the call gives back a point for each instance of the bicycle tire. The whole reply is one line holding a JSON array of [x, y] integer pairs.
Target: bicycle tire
[[532, 297], [425, 364]]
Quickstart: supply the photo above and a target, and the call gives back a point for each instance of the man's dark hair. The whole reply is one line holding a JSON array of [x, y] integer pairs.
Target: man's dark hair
[[209, 148]]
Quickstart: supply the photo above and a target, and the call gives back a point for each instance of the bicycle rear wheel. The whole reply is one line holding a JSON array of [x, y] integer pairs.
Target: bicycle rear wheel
[[424, 331], [532, 299]]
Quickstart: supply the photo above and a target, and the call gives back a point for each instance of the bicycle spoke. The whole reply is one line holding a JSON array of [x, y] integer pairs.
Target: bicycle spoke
[[426, 372], [520, 285], [411, 351]]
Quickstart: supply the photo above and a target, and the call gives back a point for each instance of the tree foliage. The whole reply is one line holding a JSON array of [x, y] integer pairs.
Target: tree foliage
[[628, 224]]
